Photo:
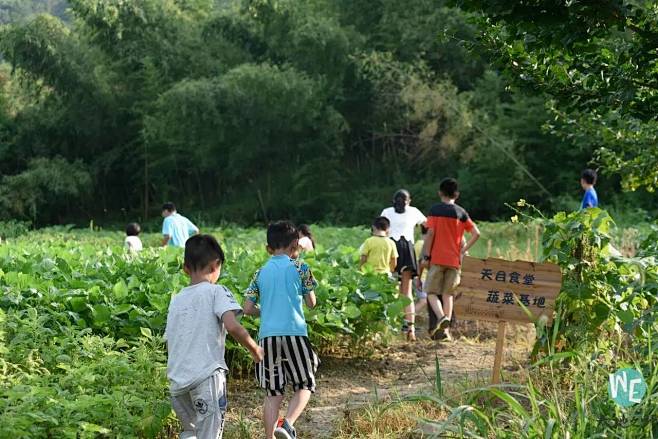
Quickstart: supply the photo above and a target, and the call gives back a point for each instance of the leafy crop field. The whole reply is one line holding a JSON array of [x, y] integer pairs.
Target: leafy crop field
[[80, 321]]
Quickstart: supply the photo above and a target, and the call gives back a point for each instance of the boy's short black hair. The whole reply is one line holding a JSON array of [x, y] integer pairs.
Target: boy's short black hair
[[133, 229], [449, 187], [589, 175], [381, 223], [281, 234], [169, 206], [201, 250]]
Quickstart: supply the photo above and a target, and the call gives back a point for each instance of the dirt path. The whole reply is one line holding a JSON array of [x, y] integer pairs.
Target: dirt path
[[397, 370]]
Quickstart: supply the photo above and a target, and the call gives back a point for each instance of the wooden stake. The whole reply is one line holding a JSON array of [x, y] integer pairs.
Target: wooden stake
[[498, 358]]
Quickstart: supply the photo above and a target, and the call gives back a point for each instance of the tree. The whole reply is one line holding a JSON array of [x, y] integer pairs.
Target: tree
[[45, 189], [597, 61], [255, 109], [12, 11], [256, 125]]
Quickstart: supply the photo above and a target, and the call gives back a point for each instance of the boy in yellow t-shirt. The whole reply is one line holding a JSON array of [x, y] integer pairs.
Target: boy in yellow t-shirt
[[378, 251]]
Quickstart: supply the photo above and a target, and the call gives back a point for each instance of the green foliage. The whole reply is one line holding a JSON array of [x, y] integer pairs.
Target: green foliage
[[254, 109], [13, 228], [597, 61], [19, 10], [605, 320], [60, 381], [81, 320], [46, 184], [556, 402], [602, 293]]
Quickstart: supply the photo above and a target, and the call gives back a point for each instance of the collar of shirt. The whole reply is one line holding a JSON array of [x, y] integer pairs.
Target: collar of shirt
[[281, 257]]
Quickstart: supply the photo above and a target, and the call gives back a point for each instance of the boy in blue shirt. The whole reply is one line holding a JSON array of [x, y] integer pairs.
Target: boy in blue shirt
[[176, 229], [587, 182], [280, 287]]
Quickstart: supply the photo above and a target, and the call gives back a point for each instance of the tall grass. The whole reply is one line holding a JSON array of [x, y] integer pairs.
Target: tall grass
[[606, 321], [565, 397]]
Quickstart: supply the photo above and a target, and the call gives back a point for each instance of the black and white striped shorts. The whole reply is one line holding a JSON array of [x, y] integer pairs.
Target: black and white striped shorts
[[287, 359]]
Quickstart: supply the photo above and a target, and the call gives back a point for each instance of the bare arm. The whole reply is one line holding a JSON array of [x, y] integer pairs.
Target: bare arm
[[393, 263], [242, 336], [475, 235], [310, 300], [165, 240], [363, 261], [427, 246], [251, 309]]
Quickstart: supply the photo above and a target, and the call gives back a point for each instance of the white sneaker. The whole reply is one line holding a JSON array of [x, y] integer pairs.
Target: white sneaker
[[280, 433], [284, 430]]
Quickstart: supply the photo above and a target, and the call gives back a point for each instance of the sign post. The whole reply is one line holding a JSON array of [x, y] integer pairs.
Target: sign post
[[502, 291], [498, 356]]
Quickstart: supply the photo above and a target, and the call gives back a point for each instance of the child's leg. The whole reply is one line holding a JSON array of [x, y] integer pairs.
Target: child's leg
[[297, 405], [420, 305], [435, 305], [421, 297], [209, 403], [431, 315], [405, 290], [271, 408], [433, 287], [447, 305], [451, 281], [184, 409], [272, 378], [300, 367]]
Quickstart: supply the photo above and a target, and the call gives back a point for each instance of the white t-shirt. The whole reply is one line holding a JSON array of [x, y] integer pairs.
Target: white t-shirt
[[403, 224], [196, 335], [133, 243], [305, 243]]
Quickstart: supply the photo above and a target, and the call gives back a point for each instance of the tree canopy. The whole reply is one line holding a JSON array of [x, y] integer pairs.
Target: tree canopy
[[597, 62], [317, 110]]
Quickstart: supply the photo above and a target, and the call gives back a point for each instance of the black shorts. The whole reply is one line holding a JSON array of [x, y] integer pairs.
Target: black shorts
[[287, 359], [406, 257]]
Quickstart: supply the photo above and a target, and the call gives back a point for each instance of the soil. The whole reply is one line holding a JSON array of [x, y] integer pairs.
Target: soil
[[397, 370]]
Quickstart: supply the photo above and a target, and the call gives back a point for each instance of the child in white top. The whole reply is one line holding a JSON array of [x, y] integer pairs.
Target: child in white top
[[132, 242], [306, 241], [404, 218]]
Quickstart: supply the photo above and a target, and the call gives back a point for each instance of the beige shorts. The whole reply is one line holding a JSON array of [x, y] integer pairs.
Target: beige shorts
[[442, 279]]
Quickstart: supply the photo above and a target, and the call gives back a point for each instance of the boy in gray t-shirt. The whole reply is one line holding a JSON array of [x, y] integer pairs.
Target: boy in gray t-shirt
[[198, 319]]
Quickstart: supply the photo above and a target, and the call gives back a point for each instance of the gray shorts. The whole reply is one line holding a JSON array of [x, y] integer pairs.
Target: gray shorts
[[201, 411]]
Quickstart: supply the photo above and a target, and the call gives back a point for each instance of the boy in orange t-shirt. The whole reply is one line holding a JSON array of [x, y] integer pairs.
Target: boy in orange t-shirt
[[443, 250]]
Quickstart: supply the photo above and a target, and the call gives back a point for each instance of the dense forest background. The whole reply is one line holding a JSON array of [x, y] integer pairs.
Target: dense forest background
[[250, 110]]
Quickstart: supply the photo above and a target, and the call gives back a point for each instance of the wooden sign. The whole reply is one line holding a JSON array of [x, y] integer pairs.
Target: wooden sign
[[503, 291], [495, 289]]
